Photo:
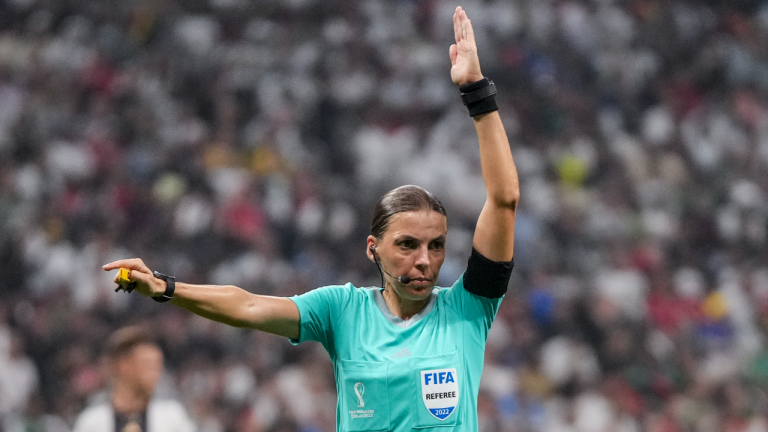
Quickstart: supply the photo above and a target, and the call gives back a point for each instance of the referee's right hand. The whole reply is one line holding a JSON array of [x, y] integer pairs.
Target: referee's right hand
[[146, 283]]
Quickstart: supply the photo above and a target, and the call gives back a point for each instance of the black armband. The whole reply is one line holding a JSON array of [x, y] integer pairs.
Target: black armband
[[479, 97], [485, 277]]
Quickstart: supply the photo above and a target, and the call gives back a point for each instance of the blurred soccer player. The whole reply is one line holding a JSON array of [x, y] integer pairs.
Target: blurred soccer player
[[135, 363]]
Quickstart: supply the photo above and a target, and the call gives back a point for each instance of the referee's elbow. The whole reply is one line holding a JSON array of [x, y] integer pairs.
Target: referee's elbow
[[506, 199]]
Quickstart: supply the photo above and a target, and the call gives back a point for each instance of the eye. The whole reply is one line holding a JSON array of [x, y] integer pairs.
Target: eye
[[437, 245], [409, 244]]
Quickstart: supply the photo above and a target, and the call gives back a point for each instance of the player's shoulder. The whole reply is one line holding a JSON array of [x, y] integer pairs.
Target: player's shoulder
[[167, 408], [96, 417], [166, 404], [169, 415]]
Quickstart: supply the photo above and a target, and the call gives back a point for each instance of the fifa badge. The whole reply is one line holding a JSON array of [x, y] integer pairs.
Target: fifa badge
[[440, 391]]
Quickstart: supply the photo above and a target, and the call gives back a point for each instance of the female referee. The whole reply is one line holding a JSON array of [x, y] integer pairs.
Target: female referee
[[409, 355]]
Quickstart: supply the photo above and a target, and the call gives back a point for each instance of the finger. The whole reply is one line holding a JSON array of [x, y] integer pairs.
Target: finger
[[453, 52], [125, 277], [138, 271], [457, 25], [469, 32], [130, 264], [135, 276]]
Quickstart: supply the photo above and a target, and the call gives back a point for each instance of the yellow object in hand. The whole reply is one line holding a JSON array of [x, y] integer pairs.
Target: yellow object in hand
[[124, 276], [124, 281]]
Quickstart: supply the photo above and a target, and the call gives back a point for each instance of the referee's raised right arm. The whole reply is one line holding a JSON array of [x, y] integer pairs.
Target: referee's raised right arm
[[222, 303], [495, 229]]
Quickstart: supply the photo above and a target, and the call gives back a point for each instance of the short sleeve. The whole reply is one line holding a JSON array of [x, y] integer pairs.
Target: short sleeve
[[477, 311], [477, 295], [319, 311]]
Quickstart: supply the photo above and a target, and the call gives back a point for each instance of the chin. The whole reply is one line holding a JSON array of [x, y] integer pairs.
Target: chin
[[422, 292]]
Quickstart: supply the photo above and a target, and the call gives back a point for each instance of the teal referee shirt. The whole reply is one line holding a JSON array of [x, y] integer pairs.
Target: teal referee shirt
[[395, 375]]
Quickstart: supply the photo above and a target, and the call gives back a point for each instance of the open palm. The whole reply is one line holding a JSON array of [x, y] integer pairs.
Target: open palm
[[465, 63]]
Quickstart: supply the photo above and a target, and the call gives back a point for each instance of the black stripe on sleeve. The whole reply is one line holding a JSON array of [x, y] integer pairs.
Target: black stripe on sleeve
[[487, 278]]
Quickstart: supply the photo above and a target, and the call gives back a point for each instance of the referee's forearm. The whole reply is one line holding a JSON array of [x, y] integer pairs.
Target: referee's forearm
[[237, 307], [498, 166], [226, 304]]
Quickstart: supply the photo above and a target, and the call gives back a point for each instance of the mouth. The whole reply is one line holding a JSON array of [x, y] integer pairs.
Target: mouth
[[421, 281]]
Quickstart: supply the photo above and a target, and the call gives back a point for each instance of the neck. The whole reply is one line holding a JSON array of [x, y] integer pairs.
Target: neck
[[129, 401], [402, 308]]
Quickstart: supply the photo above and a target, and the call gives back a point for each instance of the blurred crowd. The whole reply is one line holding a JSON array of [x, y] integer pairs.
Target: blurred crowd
[[246, 141]]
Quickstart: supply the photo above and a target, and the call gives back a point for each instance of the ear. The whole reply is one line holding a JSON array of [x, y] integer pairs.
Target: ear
[[370, 247]]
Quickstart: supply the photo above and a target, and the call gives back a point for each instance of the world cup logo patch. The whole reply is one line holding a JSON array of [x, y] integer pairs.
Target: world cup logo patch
[[361, 411], [440, 391], [359, 391]]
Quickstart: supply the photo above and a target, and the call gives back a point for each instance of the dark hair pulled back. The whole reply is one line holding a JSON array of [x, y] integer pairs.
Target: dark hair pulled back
[[402, 199]]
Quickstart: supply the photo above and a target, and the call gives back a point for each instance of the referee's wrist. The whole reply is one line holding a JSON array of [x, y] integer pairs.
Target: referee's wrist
[[479, 97], [484, 115], [170, 287], [158, 288], [471, 80]]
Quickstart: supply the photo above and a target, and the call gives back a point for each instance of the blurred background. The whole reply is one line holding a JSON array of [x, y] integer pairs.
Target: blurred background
[[246, 141]]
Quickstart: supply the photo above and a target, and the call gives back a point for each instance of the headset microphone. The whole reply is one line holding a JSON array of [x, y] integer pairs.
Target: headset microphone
[[402, 279]]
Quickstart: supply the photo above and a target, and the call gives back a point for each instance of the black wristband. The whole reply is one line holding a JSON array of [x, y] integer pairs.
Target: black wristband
[[170, 287], [479, 97]]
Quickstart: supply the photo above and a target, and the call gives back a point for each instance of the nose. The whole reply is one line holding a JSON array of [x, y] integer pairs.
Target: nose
[[422, 257]]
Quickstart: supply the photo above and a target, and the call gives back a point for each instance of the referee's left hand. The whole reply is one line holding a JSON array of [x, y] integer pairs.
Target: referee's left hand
[[146, 283], [466, 64]]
